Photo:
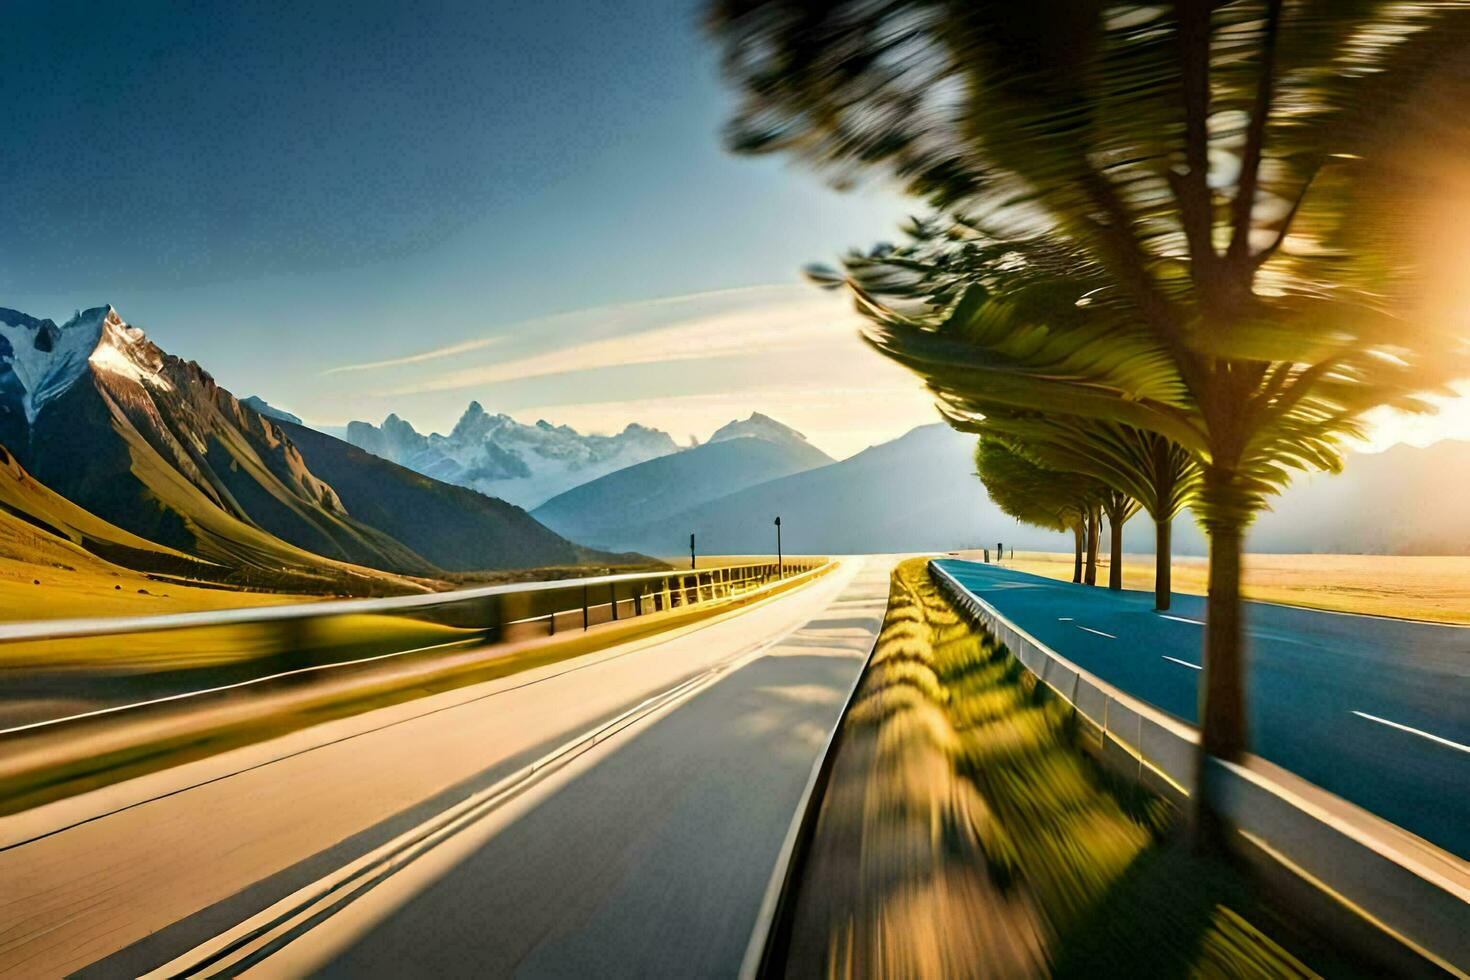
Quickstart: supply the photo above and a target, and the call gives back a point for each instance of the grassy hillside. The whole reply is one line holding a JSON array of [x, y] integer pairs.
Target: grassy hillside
[[58, 559], [602, 512], [185, 466], [43, 576], [52, 561]]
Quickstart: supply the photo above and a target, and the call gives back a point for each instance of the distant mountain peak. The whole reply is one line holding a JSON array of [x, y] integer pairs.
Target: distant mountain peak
[[263, 407], [474, 423], [759, 426], [524, 463], [399, 426], [40, 360]]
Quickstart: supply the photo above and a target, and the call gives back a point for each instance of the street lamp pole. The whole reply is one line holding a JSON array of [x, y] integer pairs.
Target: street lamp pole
[[780, 565], [691, 550]]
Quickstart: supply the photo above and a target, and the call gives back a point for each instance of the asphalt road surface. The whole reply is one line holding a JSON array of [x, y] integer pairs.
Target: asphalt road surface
[[1372, 709], [415, 840]]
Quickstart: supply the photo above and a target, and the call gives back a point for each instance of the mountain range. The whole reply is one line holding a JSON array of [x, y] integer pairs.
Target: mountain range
[[915, 493], [500, 457], [149, 445], [741, 454], [919, 493], [113, 448], [1402, 501]]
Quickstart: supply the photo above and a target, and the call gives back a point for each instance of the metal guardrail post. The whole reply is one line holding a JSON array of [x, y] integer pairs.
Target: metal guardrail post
[[585, 624]]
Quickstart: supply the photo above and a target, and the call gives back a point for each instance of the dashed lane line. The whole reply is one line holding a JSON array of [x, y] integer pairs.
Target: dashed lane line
[[1413, 731]]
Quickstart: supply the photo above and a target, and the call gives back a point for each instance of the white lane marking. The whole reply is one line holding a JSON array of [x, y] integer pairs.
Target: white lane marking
[[1413, 731], [1098, 632], [1064, 619], [1181, 619], [1184, 663]]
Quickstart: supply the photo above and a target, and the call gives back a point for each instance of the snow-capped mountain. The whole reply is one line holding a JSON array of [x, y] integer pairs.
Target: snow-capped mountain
[[97, 413], [760, 426], [39, 360], [495, 454]]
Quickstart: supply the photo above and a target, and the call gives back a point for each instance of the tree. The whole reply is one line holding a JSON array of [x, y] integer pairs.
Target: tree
[[1160, 475], [1118, 507], [1232, 187], [1035, 495]]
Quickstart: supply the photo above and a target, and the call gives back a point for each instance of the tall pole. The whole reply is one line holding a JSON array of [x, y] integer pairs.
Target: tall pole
[[691, 550], [780, 565]]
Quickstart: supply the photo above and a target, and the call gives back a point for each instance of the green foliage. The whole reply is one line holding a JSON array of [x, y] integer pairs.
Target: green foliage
[[1031, 493], [1146, 467]]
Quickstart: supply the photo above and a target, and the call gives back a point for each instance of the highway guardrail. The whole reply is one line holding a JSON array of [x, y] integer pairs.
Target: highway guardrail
[[521, 608], [120, 724]]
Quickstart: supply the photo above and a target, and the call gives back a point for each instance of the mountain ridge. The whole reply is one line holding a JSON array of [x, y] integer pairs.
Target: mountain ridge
[[458, 529], [523, 464], [151, 444], [744, 454], [919, 493]]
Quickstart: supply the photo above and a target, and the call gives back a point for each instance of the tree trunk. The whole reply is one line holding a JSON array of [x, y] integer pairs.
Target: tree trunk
[[1222, 712], [1077, 560], [1163, 563], [1115, 553], [1222, 692], [1090, 573]]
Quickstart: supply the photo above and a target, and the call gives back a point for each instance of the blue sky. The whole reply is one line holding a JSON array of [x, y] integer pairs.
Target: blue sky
[[524, 204], [277, 190]]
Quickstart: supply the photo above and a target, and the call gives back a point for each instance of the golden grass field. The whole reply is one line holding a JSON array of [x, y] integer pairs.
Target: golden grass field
[[1432, 588], [42, 578]]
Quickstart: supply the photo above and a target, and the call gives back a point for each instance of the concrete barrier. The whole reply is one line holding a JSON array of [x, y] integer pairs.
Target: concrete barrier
[[1417, 895]]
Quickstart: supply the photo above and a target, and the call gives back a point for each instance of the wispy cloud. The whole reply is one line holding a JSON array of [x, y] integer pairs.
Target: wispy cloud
[[813, 321], [614, 313], [420, 357]]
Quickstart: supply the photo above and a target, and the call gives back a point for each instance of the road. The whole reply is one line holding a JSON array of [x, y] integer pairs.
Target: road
[[412, 840], [1374, 710]]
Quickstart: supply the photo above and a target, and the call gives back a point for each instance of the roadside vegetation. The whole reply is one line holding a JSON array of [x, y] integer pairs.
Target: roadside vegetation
[[966, 832]]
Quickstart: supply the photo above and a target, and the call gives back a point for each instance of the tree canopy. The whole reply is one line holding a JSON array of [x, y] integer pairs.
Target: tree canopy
[[1220, 222]]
